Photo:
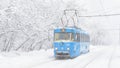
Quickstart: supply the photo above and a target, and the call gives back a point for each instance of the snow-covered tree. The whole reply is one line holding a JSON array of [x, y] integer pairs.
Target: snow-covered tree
[[28, 25]]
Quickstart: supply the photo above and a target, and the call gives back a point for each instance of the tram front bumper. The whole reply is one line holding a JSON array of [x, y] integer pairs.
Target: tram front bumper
[[62, 54]]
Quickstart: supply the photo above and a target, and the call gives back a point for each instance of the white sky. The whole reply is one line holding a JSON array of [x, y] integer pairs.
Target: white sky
[[113, 22], [106, 7]]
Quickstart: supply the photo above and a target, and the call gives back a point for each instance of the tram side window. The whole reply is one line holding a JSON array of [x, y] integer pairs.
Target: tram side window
[[78, 37], [87, 38], [81, 38], [84, 38]]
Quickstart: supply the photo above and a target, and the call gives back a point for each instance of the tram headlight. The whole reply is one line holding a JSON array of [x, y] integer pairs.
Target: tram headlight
[[56, 48], [68, 48]]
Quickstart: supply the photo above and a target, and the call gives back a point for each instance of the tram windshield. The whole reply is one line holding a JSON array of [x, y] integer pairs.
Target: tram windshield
[[64, 36]]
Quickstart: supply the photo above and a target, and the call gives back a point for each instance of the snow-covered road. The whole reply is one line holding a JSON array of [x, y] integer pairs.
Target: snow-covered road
[[98, 57]]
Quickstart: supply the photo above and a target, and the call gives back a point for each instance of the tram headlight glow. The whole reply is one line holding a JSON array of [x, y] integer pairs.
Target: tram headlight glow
[[56, 48], [68, 48]]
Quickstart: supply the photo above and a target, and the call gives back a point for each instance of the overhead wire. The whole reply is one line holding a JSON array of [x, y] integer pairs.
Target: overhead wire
[[103, 15], [100, 15]]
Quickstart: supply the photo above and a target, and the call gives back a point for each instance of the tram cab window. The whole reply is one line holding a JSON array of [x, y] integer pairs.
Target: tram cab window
[[63, 36]]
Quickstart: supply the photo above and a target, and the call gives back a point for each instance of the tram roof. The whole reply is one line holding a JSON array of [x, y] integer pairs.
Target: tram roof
[[73, 29]]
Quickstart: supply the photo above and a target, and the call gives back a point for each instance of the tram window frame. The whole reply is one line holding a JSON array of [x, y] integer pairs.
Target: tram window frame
[[77, 37], [81, 37], [71, 38], [84, 37], [88, 38]]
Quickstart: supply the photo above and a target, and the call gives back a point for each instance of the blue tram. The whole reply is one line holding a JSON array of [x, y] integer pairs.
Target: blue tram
[[70, 42]]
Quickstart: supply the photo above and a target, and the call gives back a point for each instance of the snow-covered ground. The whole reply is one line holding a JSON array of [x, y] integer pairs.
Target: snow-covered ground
[[98, 57]]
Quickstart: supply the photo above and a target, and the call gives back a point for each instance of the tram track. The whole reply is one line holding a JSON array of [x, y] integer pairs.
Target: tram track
[[88, 60], [111, 57], [99, 55], [93, 59], [48, 62], [40, 63], [51, 61], [84, 57]]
